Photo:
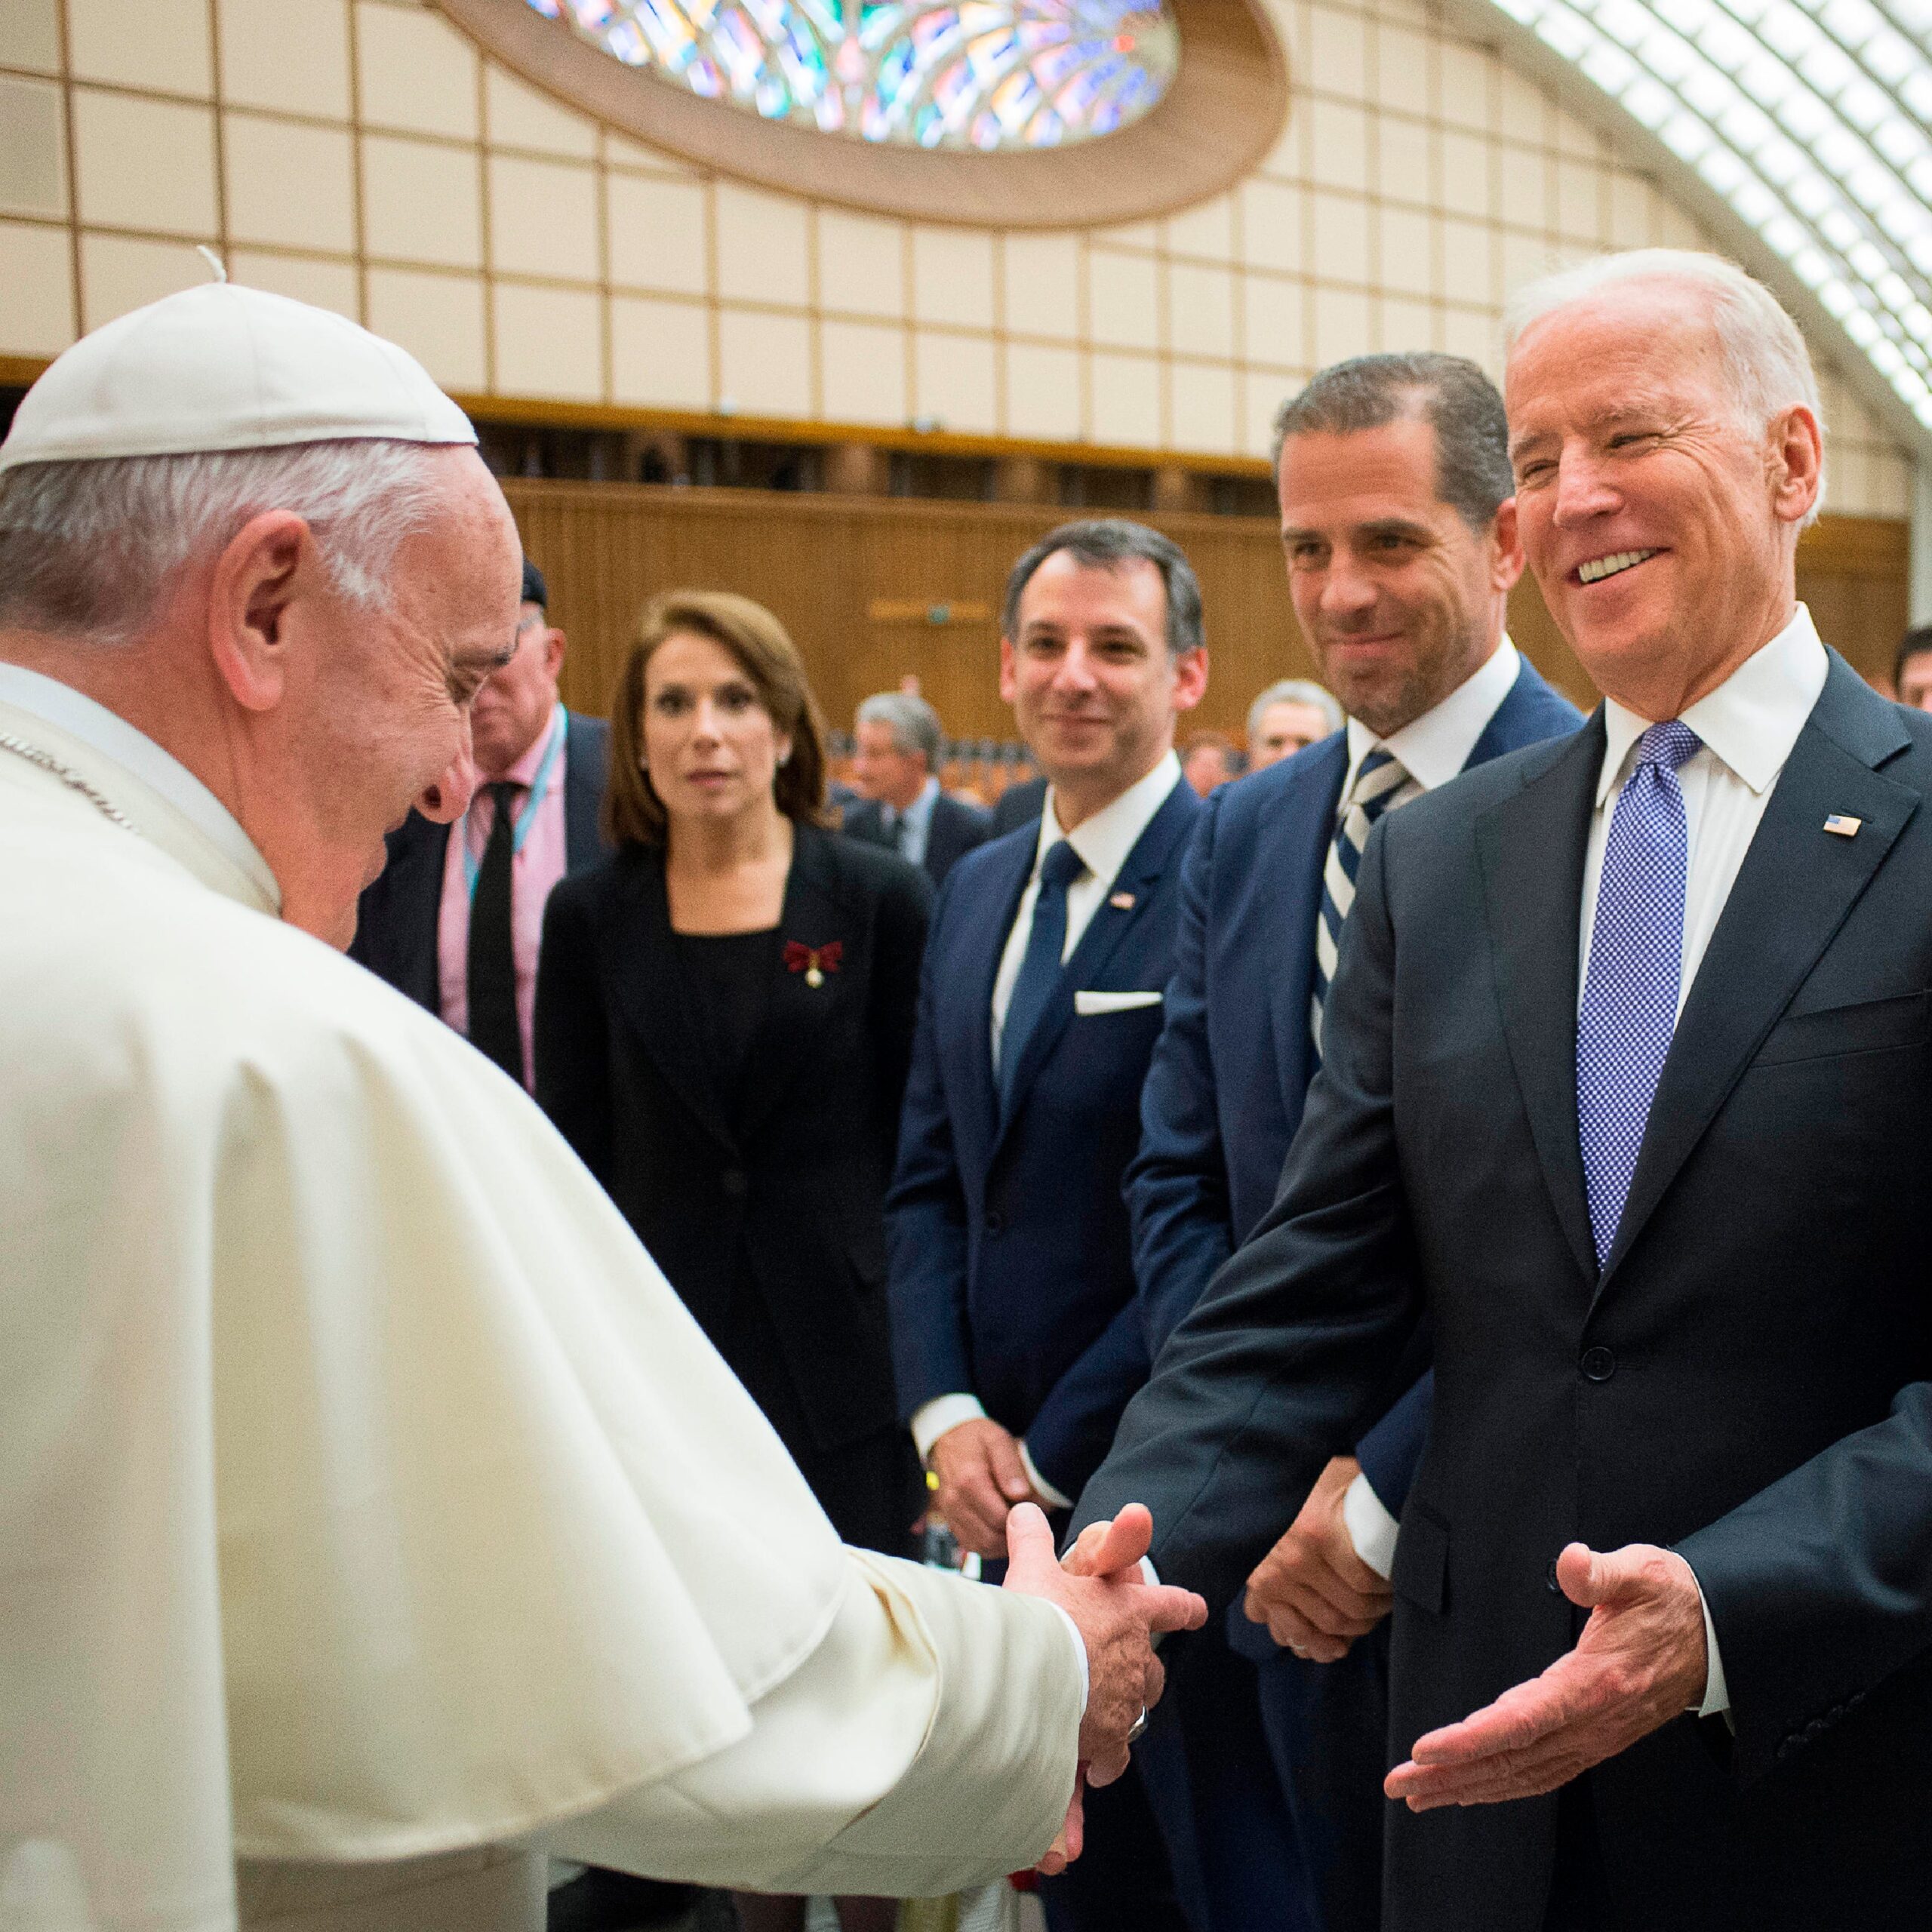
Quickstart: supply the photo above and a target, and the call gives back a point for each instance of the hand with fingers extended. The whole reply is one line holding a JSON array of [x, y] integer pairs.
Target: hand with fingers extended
[[981, 1478], [1315, 1594], [1640, 1661], [1117, 1614]]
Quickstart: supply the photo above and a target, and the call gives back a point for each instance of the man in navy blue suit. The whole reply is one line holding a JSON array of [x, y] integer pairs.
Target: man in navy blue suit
[[1016, 1337], [1400, 530]]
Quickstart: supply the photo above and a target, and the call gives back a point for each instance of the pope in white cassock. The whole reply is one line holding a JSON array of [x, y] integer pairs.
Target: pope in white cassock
[[372, 1516]]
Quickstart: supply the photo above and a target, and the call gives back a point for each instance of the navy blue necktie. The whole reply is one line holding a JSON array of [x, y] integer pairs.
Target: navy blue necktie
[[1629, 1012], [1040, 970]]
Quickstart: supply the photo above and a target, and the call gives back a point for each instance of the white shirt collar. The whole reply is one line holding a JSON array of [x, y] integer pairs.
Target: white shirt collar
[[920, 809], [110, 734], [1104, 841], [1434, 748], [1751, 721]]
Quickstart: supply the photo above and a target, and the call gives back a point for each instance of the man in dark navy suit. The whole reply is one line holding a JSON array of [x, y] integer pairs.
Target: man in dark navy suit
[[1396, 511], [1016, 1337], [455, 917], [1625, 1084], [899, 743]]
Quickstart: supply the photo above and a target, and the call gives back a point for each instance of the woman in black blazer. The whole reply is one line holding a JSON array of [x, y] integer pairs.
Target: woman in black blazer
[[725, 1017]]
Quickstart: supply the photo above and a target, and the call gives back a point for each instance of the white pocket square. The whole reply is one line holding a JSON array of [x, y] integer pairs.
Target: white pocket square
[[1091, 1003]]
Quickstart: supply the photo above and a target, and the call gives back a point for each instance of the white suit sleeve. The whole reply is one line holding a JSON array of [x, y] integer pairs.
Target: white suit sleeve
[[927, 1744]]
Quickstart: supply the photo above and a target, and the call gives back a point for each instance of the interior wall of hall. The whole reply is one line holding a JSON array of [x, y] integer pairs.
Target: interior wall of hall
[[363, 155]]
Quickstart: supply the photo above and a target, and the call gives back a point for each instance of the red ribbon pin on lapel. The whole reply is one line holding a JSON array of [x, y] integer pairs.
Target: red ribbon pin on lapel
[[814, 961]]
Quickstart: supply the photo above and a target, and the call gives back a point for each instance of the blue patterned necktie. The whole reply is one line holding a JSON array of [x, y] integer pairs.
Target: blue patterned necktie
[[1040, 967], [1630, 992], [1381, 784]]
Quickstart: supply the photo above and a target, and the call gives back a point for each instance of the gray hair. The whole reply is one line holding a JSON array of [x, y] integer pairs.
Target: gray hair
[[915, 725], [89, 547], [1295, 691], [1765, 359], [1106, 543], [1449, 392]]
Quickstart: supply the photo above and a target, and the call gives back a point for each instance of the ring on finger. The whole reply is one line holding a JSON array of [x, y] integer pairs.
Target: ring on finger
[[1138, 1724]]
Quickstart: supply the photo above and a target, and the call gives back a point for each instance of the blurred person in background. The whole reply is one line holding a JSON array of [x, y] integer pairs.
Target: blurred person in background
[[1289, 716], [724, 1020], [1912, 669], [899, 745], [455, 919], [1209, 759]]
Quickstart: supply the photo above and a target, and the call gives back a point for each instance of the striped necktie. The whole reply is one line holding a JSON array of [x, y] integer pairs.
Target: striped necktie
[[1382, 783]]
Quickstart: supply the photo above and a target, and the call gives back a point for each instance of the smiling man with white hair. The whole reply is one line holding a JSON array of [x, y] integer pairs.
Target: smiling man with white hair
[[1627, 1078], [367, 1501]]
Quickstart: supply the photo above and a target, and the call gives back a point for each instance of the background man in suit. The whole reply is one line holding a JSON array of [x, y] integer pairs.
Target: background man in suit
[[1912, 669], [1625, 1084], [1292, 714], [898, 744], [1015, 1338], [1401, 535], [455, 917], [1019, 805]]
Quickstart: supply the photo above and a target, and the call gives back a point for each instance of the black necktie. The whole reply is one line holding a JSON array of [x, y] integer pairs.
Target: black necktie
[[492, 1022], [1040, 964]]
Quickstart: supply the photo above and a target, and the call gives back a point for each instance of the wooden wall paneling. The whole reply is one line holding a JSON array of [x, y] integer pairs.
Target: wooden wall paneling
[[826, 565]]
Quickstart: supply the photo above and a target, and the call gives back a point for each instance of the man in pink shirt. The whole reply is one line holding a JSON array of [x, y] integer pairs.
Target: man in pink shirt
[[455, 919]]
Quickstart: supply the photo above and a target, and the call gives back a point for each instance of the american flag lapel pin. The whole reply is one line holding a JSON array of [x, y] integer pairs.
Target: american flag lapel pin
[[1121, 902], [1843, 825]]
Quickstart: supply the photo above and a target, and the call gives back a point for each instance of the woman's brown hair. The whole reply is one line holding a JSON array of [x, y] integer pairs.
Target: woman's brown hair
[[633, 813]]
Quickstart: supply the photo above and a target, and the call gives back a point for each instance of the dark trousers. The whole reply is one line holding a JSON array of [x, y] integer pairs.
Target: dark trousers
[[1327, 1731], [1122, 1882], [1213, 1787]]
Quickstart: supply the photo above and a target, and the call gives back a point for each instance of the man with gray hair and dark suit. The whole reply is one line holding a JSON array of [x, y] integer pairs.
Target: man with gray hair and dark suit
[[900, 746]]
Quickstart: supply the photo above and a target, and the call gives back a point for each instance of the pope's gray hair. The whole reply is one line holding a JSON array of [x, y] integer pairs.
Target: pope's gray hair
[[1765, 358], [89, 549]]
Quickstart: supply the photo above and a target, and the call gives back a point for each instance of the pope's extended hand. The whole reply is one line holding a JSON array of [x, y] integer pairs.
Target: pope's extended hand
[[1117, 1612], [1640, 1662], [1315, 1594]]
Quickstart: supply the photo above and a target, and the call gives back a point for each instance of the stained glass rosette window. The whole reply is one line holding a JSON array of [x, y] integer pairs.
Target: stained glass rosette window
[[987, 75]]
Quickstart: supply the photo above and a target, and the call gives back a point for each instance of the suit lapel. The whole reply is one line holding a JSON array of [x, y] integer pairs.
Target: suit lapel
[[652, 989], [1794, 891], [1296, 890], [793, 1029], [1530, 849], [1110, 925], [982, 945]]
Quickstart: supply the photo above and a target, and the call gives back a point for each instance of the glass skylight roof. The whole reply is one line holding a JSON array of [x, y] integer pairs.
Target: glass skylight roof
[[1812, 118], [984, 75]]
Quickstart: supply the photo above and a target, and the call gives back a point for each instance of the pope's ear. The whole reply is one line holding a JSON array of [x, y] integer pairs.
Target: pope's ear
[[267, 563]]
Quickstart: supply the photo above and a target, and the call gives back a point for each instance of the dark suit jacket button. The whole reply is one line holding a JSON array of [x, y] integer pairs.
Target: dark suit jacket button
[[995, 1222], [733, 1181], [1598, 1365], [1550, 1578]]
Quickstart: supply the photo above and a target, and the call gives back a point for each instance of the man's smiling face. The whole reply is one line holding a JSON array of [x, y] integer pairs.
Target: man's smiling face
[[1660, 521]]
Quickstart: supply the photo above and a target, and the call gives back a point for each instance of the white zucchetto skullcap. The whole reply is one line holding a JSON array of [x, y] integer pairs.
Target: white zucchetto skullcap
[[224, 367]]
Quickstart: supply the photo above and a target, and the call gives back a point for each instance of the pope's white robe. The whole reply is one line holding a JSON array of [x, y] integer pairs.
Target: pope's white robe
[[367, 1496]]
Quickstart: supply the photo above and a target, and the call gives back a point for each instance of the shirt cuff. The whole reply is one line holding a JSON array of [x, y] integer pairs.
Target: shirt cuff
[[1717, 1693], [1041, 1488], [1370, 1527], [930, 1420], [1079, 1651]]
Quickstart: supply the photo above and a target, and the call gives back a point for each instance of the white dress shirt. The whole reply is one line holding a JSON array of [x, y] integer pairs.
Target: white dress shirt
[[1748, 727], [1103, 842], [913, 826]]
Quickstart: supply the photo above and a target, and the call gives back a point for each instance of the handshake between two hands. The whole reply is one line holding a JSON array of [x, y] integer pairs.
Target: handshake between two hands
[[1102, 1586], [1641, 1659]]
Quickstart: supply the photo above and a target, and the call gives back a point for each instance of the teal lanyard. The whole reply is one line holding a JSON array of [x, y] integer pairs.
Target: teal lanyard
[[525, 819]]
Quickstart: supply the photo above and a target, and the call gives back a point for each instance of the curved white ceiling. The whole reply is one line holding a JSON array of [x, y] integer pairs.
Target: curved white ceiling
[[1810, 120]]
